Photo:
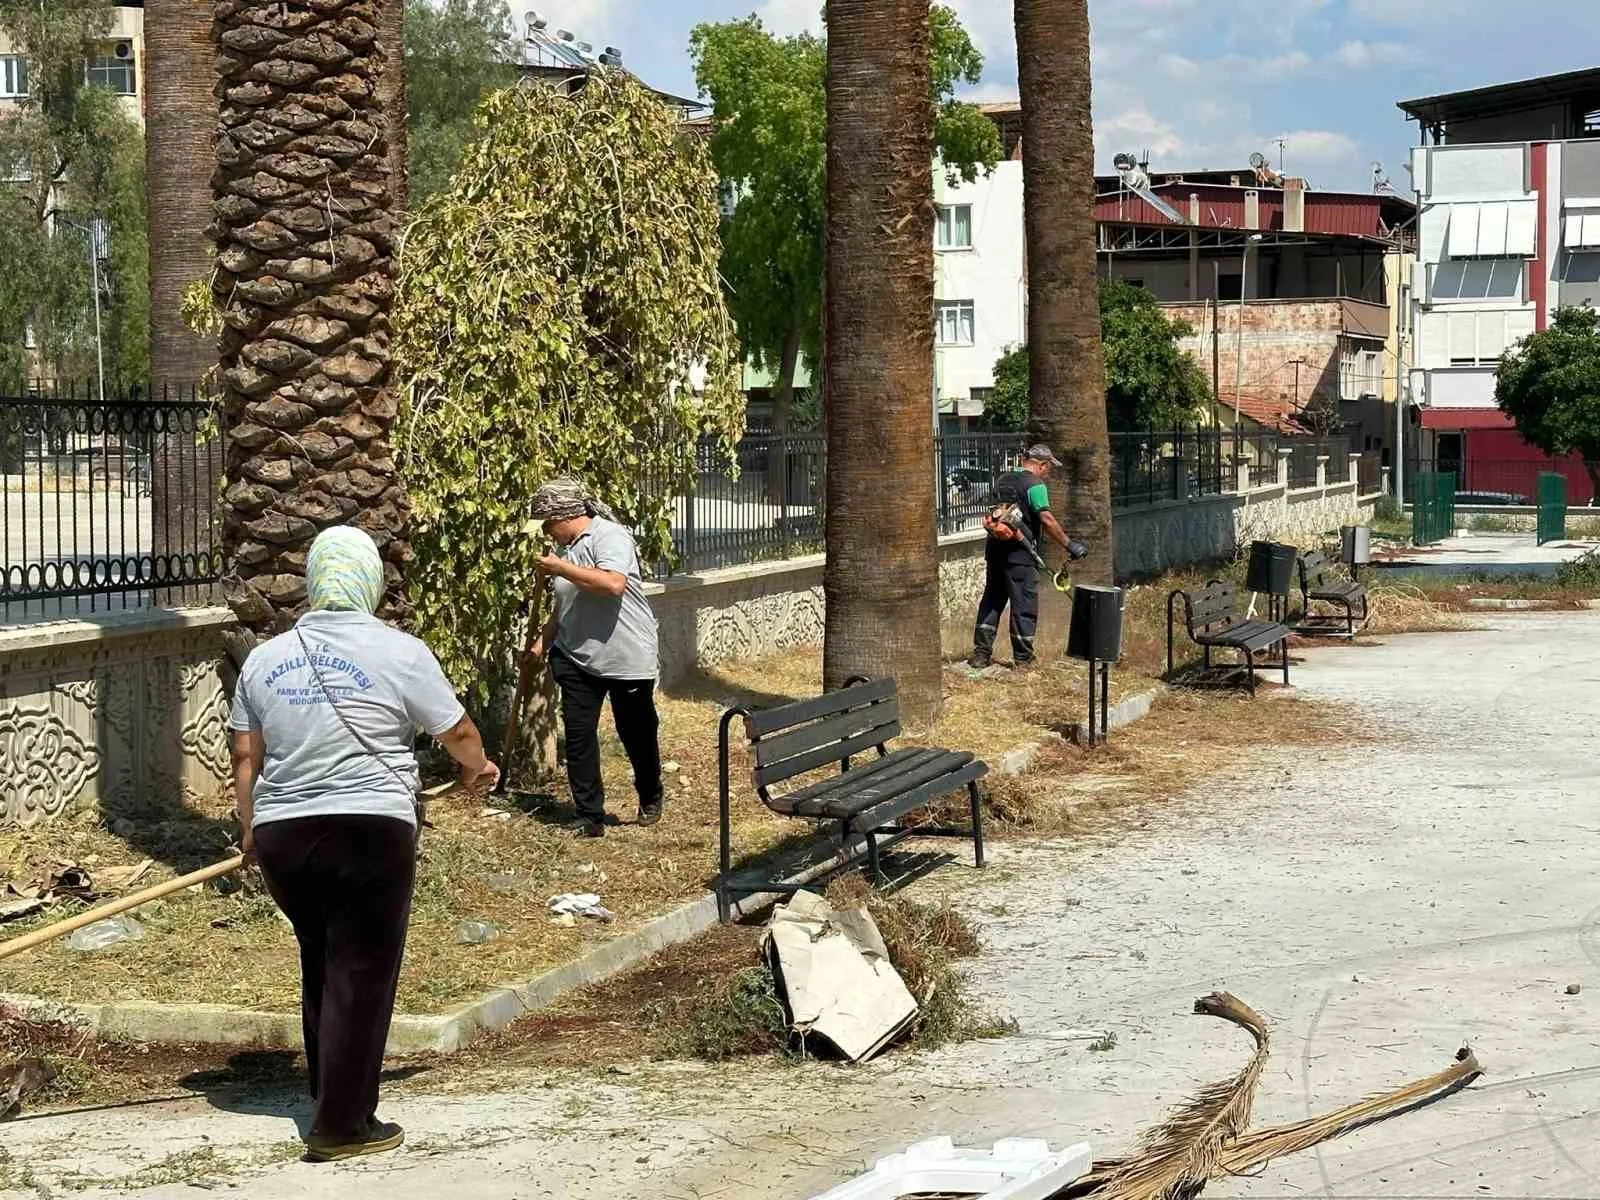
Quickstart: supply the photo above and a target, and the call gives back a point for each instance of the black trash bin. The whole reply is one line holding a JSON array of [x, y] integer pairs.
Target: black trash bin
[[1096, 630], [1271, 570]]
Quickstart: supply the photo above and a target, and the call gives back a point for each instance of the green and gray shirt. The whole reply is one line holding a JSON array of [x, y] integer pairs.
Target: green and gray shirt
[[1029, 493]]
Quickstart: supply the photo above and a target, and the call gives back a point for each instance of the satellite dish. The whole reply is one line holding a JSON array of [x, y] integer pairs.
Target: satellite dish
[[1125, 162], [1258, 160]]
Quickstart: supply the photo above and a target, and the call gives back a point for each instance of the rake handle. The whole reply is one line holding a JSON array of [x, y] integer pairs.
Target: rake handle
[[61, 928]]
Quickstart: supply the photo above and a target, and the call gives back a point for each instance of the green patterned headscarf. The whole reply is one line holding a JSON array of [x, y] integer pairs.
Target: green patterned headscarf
[[344, 571]]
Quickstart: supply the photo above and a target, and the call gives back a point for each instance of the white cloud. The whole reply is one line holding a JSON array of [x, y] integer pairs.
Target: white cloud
[[1136, 130], [785, 17], [1364, 56], [1319, 147], [1177, 66]]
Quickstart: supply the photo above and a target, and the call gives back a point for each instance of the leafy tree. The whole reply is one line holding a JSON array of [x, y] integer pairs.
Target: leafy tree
[[559, 312], [769, 112], [1150, 382], [1549, 385], [457, 51], [76, 158], [1008, 406]]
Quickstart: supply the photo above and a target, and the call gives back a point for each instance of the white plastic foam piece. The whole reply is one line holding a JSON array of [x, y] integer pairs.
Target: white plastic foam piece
[[1014, 1169]]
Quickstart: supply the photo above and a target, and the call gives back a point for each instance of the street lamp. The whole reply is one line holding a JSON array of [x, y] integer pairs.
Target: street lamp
[[1238, 353], [94, 232]]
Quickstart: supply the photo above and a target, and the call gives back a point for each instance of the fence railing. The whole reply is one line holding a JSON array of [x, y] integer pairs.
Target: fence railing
[[106, 505], [1304, 454]]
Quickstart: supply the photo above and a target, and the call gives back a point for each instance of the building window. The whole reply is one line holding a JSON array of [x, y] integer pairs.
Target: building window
[[953, 227], [1230, 287], [13, 75], [954, 323], [1478, 279], [114, 72]]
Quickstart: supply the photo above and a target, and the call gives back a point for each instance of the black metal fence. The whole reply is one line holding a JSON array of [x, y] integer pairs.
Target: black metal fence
[[105, 504], [1304, 454]]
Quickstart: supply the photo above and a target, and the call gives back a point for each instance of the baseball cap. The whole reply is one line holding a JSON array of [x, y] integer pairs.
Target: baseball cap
[[1042, 453]]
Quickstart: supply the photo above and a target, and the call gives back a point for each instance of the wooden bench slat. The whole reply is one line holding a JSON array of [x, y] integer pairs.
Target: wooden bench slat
[[799, 764], [891, 810], [1213, 603], [801, 738], [882, 785], [770, 720]]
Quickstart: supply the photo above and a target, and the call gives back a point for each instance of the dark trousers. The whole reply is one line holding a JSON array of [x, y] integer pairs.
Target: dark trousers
[[1008, 583], [345, 884], [633, 708]]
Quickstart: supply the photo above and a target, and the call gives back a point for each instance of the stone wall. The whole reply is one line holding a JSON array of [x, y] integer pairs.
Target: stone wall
[[764, 608], [126, 711]]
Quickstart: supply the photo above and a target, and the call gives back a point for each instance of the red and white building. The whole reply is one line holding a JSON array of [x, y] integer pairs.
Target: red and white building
[[1508, 182]]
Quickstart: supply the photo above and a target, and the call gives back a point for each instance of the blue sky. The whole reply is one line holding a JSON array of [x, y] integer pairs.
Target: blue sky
[[1202, 83]]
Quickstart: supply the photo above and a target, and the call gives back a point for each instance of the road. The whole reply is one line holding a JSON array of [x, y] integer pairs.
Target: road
[[1382, 903]]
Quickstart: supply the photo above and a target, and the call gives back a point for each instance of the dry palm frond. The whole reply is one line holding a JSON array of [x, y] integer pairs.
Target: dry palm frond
[[1185, 1151], [1257, 1149], [1262, 1147]]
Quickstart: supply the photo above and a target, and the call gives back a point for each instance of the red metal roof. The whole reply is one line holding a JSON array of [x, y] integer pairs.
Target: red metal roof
[[1336, 214]]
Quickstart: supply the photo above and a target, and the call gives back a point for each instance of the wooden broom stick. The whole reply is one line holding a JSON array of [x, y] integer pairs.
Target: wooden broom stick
[[61, 928], [519, 697]]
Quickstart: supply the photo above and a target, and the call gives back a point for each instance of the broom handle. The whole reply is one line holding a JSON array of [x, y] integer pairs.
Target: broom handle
[[61, 928], [524, 682]]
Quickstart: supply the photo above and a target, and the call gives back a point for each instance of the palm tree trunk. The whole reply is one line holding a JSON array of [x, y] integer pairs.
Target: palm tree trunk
[[305, 237], [180, 129], [392, 92], [1066, 384], [882, 576]]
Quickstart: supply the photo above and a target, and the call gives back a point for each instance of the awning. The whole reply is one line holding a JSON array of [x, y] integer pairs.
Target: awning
[[1486, 229], [1465, 418]]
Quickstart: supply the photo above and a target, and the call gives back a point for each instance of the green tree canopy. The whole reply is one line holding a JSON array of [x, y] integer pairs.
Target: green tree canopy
[[769, 147], [559, 313], [1549, 384], [457, 51], [1151, 383], [76, 159]]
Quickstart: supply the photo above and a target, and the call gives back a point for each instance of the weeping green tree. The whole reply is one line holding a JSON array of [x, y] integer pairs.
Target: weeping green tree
[[559, 312]]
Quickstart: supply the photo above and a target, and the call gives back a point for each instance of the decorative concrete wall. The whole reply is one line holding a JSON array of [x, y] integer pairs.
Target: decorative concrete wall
[[756, 610], [127, 711]]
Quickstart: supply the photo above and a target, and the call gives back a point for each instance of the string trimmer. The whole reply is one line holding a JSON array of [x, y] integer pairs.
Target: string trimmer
[[1009, 518]]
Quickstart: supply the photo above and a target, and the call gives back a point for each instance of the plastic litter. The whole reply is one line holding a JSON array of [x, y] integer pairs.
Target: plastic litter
[[475, 933], [105, 934], [580, 904], [1015, 1169]]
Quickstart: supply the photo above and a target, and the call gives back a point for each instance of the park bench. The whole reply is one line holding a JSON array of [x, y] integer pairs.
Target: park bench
[[868, 801], [1321, 581], [1211, 616]]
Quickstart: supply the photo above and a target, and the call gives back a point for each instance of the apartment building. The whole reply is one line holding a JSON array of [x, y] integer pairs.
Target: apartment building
[[116, 62], [1509, 183]]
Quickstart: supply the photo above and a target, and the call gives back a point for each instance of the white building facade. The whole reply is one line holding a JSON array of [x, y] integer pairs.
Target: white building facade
[[980, 287], [115, 62]]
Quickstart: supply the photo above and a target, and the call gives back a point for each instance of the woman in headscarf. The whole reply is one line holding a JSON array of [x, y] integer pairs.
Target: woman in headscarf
[[323, 723], [602, 642]]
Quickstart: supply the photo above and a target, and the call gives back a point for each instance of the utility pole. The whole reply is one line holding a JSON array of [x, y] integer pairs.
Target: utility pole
[[1238, 358], [1216, 360]]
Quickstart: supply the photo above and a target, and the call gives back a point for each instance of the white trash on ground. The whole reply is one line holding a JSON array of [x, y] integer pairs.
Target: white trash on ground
[[1015, 1169], [834, 970], [580, 904], [103, 934]]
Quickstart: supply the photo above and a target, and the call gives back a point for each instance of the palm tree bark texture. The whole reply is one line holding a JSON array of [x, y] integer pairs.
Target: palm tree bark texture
[[1066, 386], [305, 235], [180, 130], [881, 581]]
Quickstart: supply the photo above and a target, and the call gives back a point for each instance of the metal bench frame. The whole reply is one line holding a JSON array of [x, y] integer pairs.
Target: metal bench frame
[[1316, 571], [804, 738], [1211, 617]]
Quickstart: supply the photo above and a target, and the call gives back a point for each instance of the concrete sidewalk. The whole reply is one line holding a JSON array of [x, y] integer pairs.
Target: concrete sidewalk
[[1382, 903], [1484, 554]]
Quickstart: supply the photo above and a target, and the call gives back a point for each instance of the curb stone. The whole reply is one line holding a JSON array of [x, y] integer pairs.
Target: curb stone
[[1019, 759]]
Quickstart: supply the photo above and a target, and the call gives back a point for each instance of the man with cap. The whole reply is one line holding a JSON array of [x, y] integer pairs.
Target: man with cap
[[1011, 574], [601, 642]]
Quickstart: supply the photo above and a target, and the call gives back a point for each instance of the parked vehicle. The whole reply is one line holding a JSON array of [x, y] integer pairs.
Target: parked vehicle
[[1490, 499]]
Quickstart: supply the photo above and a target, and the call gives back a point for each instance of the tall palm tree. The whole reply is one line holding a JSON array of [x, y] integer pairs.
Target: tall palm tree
[[305, 273], [180, 129], [392, 95], [882, 576], [1066, 386]]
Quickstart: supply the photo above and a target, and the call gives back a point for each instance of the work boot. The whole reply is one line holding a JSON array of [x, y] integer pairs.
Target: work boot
[[380, 1136], [650, 814], [980, 661], [585, 828]]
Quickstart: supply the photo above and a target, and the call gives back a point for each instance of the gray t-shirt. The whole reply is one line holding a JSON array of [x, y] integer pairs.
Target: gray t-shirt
[[386, 683], [610, 636]]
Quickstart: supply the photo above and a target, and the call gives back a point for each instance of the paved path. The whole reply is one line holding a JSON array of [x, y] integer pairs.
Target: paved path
[[1382, 903]]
